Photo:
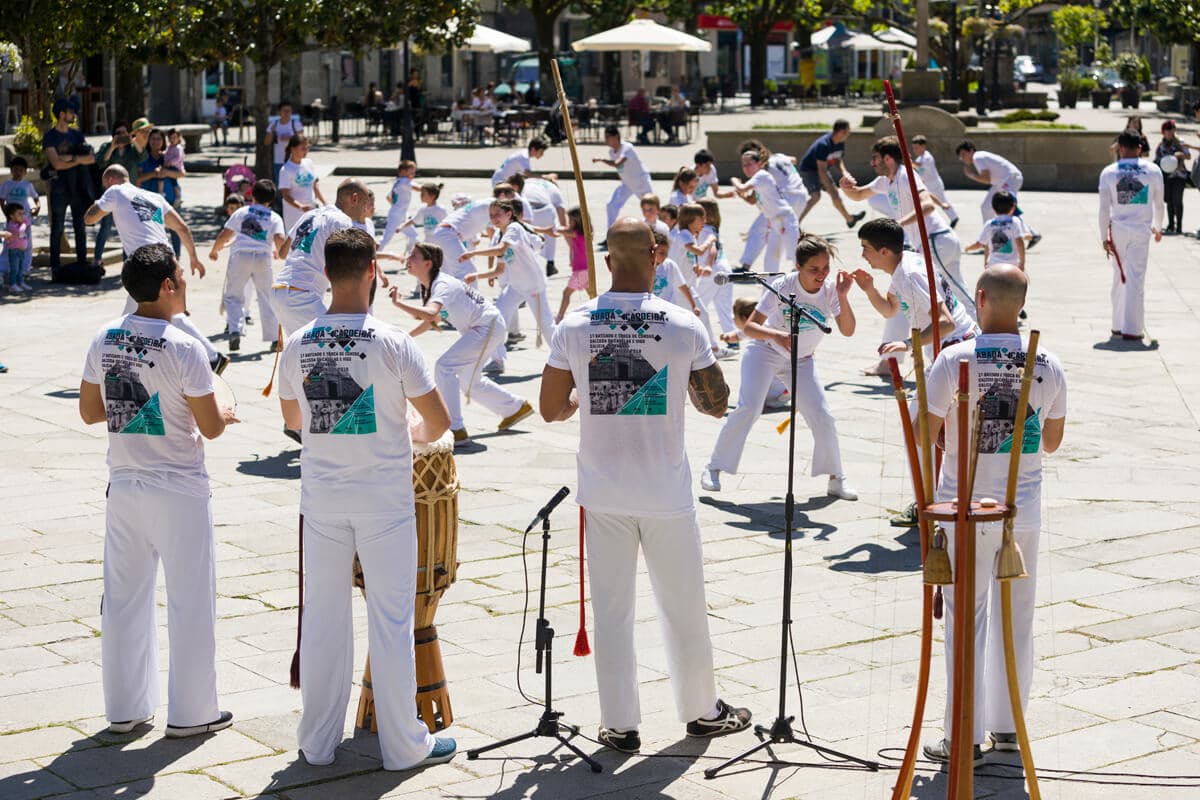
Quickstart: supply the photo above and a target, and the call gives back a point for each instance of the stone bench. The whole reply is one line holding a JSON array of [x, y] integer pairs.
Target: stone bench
[[193, 135]]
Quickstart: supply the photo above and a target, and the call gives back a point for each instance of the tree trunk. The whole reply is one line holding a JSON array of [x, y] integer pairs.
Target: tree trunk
[[262, 109], [544, 19], [758, 65], [38, 74], [613, 87], [129, 93]]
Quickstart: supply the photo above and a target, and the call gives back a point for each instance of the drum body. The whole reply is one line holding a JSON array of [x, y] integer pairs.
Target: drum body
[[435, 490]]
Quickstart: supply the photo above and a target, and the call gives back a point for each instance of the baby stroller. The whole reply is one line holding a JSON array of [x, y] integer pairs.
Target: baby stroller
[[239, 180]]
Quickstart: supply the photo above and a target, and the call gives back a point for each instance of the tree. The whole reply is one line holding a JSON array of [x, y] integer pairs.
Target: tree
[[1168, 21], [270, 33], [545, 14], [756, 18], [1076, 26]]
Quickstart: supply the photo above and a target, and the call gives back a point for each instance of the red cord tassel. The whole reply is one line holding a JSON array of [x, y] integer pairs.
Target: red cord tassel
[[295, 675], [582, 648]]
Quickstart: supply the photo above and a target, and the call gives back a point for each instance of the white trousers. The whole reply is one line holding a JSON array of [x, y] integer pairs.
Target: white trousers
[[142, 524], [675, 562], [395, 218], [1129, 298], [460, 366], [510, 300], [295, 308], [1013, 185], [452, 250], [947, 257], [993, 711], [184, 323], [708, 293], [245, 268], [544, 217], [620, 196], [783, 233], [387, 548], [756, 235], [760, 365]]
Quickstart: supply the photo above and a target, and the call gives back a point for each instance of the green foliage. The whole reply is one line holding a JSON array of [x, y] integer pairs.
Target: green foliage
[[1144, 73], [1104, 55], [801, 126], [1077, 25], [1068, 59], [1170, 21], [1128, 67], [10, 57], [1087, 85], [28, 142], [1051, 126], [1028, 115]]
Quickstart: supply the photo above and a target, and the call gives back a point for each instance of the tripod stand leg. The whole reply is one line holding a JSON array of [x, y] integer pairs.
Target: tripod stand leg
[[711, 772], [591, 762], [487, 748]]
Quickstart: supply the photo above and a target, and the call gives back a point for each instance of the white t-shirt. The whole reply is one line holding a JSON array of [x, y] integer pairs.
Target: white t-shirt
[[718, 262], [786, 176], [470, 220], [352, 374], [661, 227], [1131, 196], [678, 198], [911, 286], [997, 360], [632, 355], [540, 192], [305, 264], [22, 192], [138, 215], [300, 178], [708, 180], [686, 259], [256, 228], [520, 259], [824, 304], [900, 201], [284, 131], [1002, 173], [462, 306], [400, 195], [667, 280], [631, 172], [767, 196], [926, 168], [426, 218], [1000, 234], [146, 369], [516, 161]]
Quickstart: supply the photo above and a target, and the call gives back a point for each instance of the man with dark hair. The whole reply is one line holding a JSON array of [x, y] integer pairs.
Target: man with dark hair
[[143, 218], [299, 289], [151, 384], [828, 149], [635, 180], [346, 379], [257, 234], [998, 174], [1131, 211], [520, 161], [625, 361], [67, 154]]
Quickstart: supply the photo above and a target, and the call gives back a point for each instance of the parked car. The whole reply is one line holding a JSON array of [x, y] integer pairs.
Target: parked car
[[523, 71], [1026, 70], [1105, 77]]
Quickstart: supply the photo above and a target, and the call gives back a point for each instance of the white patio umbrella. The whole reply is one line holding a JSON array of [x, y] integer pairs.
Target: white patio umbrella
[[490, 40], [642, 35]]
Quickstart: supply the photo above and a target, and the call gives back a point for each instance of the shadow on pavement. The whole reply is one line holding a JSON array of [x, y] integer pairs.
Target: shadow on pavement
[[284, 465], [881, 559], [768, 517]]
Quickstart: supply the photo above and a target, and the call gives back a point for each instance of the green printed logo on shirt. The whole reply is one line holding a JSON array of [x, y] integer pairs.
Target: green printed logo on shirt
[[650, 400], [360, 417], [148, 419]]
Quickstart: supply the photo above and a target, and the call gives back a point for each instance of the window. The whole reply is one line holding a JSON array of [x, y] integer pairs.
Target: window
[[351, 71]]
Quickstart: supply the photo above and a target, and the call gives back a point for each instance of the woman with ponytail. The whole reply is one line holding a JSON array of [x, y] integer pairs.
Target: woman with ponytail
[[298, 181], [481, 330]]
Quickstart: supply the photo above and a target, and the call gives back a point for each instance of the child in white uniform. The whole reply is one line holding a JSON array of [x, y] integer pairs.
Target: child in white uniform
[[635, 180], [298, 182], [783, 226], [767, 358], [399, 199], [669, 282]]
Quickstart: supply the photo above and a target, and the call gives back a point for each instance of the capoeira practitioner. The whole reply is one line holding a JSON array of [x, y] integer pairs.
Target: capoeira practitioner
[[481, 330], [791, 187], [151, 383], [143, 218], [516, 256], [257, 234], [767, 358], [908, 294], [544, 208], [634, 180], [1131, 211], [828, 149], [635, 484], [997, 357], [995, 172], [783, 228], [356, 495], [519, 162], [298, 295], [460, 231], [925, 165], [399, 199]]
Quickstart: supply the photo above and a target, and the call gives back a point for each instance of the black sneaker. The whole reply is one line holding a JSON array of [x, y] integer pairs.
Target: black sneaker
[[219, 724], [728, 720], [1022, 315], [741, 270], [551, 269], [249, 320], [954, 222], [235, 343], [906, 518], [219, 363], [624, 741], [1037, 237], [603, 245], [1005, 742], [857, 218], [292, 434], [940, 752]]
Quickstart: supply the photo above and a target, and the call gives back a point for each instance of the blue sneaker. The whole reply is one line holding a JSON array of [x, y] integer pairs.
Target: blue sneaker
[[443, 750]]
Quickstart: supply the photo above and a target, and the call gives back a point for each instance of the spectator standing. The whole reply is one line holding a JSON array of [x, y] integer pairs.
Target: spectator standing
[[279, 131], [220, 118], [1133, 123], [67, 153], [18, 189], [1176, 180], [121, 151], [15, 247]]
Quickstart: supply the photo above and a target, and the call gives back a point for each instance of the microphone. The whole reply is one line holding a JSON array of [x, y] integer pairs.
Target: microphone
[[722, 278], [546, 510]]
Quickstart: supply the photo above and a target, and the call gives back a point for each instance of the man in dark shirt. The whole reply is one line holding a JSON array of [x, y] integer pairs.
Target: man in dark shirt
[[639, 113], [68, 153], [814, 170]]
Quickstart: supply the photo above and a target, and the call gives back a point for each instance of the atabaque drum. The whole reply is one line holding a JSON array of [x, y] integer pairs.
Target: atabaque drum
[[435, 490]]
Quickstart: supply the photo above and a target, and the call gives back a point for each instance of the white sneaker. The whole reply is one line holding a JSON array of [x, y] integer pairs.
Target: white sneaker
[[840, 487], [724, 354], [710, 480]]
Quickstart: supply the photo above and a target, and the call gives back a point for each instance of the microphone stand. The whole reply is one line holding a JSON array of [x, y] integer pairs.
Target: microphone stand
[[549, 724], [780, 731]]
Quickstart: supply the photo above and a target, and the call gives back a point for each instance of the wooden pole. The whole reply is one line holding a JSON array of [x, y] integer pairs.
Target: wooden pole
[[583, 209]]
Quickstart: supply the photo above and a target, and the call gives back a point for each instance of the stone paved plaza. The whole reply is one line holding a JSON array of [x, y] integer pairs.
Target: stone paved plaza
[[1117, 684]]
